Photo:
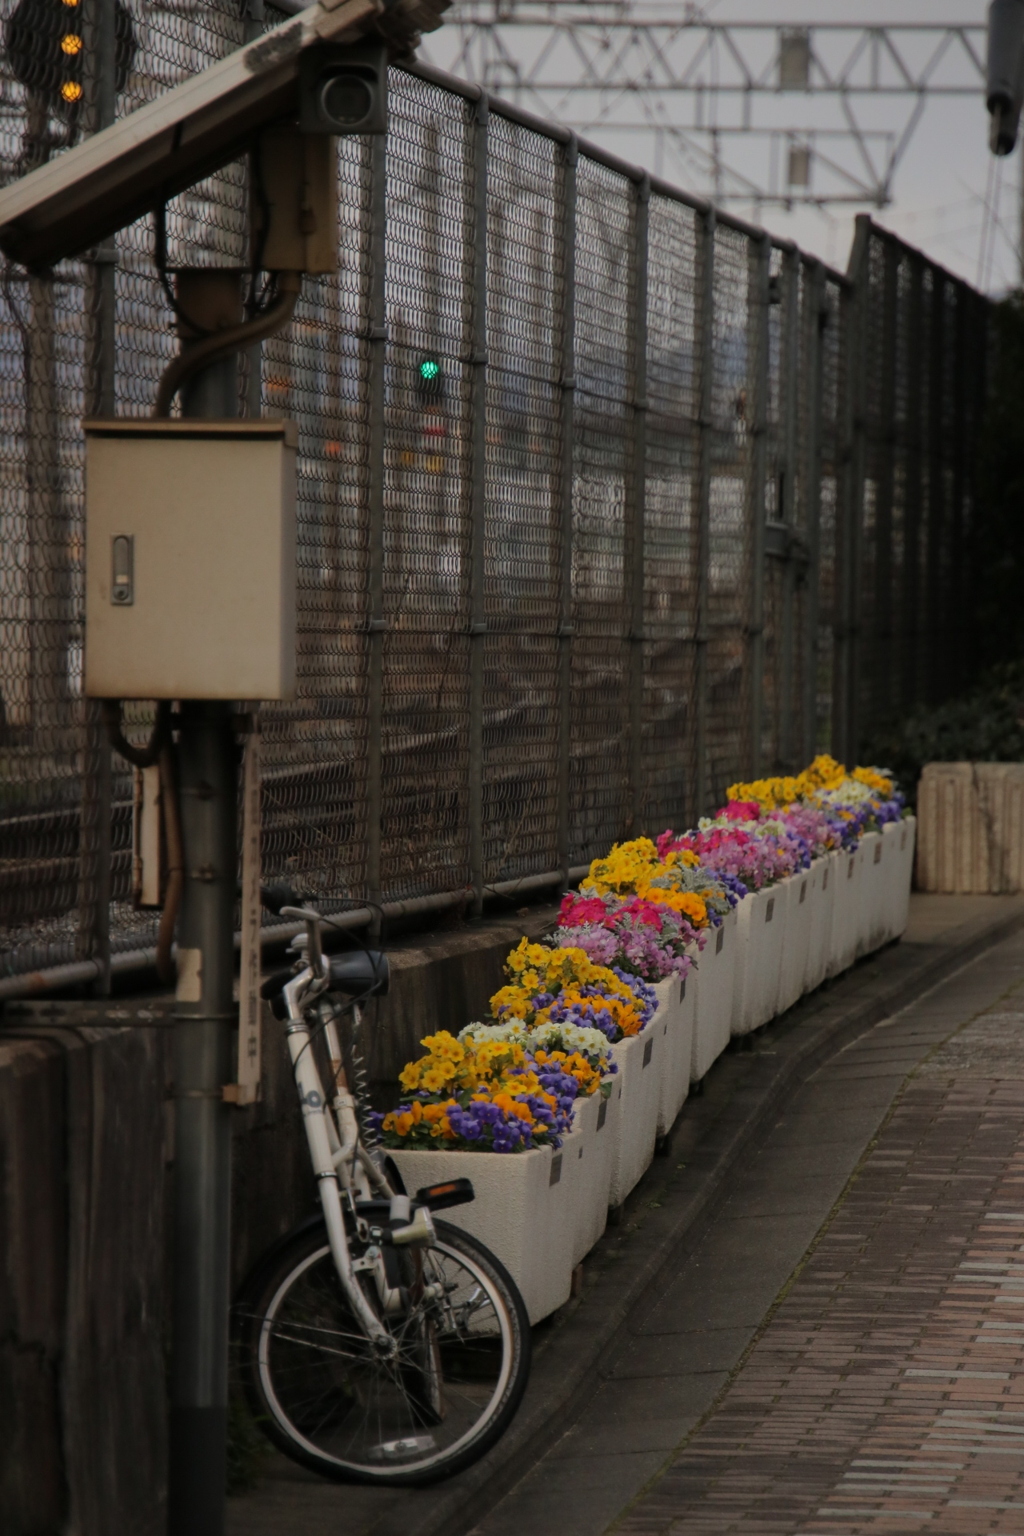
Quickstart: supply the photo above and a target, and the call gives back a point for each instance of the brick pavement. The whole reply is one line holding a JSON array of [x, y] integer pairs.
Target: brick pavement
[[886, 1391], [698, 1285]]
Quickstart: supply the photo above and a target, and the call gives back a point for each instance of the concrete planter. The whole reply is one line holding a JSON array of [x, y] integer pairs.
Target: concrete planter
[[716, 975], [761, 924], [525, 1210], [804, 893], [677, 1036], [598, 1120], [873, 918], [637, 1089], [845, 912], [821, 897]]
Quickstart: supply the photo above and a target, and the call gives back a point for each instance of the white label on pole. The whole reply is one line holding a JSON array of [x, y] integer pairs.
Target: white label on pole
[[249, 1003]]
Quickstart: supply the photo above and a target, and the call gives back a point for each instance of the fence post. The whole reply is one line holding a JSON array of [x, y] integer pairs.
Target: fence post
[[760, 309], [816, 317], [951, 631], [936, 488], [787, 661], [847, 636], [635, 504], [882, 663], [477, 496], [565, 364], [376, 623], [705, 324]]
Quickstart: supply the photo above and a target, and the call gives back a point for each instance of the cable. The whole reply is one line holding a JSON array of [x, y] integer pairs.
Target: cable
[[175, 864], [139, 757], [220, 343], [160, 262], [159, 749]]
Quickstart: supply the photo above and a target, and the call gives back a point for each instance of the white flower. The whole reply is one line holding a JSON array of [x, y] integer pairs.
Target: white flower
[[573, 1037], [504, 1032]]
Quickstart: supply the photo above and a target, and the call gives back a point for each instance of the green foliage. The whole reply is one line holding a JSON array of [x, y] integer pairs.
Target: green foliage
[[985, 725], [248, 1449]]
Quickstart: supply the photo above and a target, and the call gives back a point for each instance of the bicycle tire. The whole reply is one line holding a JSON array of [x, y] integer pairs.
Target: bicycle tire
[[328, 1401]]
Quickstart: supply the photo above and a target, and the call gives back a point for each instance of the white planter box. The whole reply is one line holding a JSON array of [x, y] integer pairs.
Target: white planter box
[[873, 920], [804, 893], [823, 890], [714, 979], [525, 1210], [901, 873], [761, 924], [845, 912], [637, 1090], [598, 1119], [675, 1023]]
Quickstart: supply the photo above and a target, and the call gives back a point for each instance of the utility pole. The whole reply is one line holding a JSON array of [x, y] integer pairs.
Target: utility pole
[[204, 1020]]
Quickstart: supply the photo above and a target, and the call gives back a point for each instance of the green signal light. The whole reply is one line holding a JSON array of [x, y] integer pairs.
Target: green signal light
[[430, 370]]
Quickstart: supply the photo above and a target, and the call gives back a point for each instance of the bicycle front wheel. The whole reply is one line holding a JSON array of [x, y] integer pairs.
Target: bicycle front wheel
[[329, 1400]]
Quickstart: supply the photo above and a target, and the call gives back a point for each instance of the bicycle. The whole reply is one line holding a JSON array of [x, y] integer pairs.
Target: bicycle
[[377, 1344]]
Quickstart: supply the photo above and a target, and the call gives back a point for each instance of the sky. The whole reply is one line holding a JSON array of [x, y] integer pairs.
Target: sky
[[950, 197]]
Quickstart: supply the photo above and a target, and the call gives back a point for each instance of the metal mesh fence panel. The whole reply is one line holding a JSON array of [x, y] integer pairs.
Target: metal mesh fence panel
[[921, 382], [728, 544], [424, 792], [670, 530], [522, 544], [599, 709], [597, 511]]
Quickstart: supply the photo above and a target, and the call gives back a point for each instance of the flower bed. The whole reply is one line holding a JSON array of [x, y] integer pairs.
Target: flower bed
[[669, 946]]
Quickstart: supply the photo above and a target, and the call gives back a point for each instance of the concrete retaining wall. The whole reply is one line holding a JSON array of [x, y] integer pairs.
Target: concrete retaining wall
[[970, 836], [86, 1164]]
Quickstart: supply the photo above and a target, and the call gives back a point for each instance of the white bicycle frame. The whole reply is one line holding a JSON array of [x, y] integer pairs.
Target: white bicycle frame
[[344, 1169]]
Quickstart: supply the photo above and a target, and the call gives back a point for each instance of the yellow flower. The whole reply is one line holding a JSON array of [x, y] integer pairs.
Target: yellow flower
[[874, 780], [622, 867]]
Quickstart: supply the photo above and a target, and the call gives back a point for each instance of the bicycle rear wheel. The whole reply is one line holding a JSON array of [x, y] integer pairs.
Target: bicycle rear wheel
[[329, 1400]]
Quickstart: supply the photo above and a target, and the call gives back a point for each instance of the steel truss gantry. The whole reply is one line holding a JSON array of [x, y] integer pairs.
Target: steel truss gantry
[[697, 85]]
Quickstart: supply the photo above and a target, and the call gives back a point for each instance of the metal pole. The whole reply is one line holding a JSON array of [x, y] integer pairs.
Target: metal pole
[[952, 625], [93, 940], [566, 293], [916, 387], [936, 487], [856, 315], [477, 234], [760, 307], [705, 321], [205, 1016], [635, 508], [375, 621], [816, 317], [253, 23], [882, 663]]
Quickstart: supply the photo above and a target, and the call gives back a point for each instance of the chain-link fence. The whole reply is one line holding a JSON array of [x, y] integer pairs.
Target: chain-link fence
[[605, 500]]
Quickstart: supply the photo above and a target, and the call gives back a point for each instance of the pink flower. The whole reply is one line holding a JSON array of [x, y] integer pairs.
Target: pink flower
[[741, 810], [579, 911]]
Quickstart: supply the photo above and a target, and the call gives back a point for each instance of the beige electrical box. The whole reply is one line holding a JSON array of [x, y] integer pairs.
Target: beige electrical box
[[190, 559]]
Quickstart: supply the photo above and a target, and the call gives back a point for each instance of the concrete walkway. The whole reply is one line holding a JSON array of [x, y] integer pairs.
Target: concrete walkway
[[840, 1322], [683, 1354]]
